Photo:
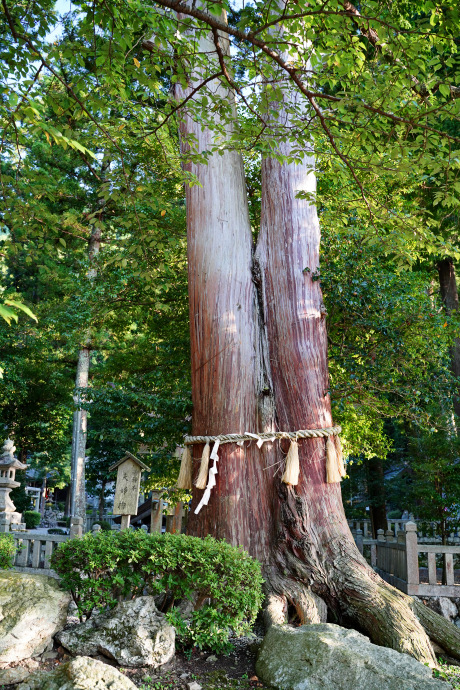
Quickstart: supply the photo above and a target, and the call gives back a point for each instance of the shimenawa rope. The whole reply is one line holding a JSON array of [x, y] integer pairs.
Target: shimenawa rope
[[335, 468]]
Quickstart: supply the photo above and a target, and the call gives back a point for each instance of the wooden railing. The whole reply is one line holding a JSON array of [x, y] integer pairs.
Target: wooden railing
[[396, 559]]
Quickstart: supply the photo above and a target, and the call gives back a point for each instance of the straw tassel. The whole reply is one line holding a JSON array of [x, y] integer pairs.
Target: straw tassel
[[340, 462], [184, 480], [291, 471], [203, 473], [332, 468]]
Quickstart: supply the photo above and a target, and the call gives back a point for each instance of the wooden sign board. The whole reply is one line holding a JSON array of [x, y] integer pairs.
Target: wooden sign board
[[129, 471]]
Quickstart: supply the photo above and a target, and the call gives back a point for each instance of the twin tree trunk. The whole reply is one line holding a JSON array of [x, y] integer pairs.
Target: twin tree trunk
[[259, 363]]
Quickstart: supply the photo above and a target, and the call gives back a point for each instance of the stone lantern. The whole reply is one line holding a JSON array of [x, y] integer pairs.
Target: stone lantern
[[8, 466]]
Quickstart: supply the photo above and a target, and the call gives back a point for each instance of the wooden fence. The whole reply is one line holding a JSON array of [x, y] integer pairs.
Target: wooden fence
[[397, 560]]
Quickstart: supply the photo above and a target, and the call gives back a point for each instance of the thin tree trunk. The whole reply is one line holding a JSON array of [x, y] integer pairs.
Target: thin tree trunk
[[80, 419], [101, 506], [42, 496], [80, 416], [449, 295], [376, 491], [239, 377]]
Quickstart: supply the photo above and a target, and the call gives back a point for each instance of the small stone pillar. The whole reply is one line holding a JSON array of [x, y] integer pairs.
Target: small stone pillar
[[359, 540], [96, 528], [76, 527], [389, 535], [380, 535], [412, 554]]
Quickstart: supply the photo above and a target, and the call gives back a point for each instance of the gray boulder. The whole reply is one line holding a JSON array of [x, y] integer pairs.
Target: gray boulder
[[135, 634], [11, 676], [79, 674], [325, 657], [32, 609]]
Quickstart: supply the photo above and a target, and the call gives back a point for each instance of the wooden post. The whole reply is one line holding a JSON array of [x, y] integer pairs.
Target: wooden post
[[412, 554], [156, 514], [373, 555], [177, 518]]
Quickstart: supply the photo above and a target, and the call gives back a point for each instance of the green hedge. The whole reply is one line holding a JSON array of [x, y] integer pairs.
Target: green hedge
[[7, 551], [224, 582], [32, 518]]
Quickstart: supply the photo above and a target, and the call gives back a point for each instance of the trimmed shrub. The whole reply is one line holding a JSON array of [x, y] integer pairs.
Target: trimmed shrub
[[32, 518], [223, 582], [105, 525], [7, 551]]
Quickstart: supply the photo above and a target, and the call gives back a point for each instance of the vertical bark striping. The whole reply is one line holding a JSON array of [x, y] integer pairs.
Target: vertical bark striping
[[314, 544], [225, 344], [259, 362]]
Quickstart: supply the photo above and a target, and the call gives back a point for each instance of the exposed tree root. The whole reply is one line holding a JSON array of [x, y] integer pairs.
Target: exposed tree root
[[285, 592], [327, 568], [440, 630]]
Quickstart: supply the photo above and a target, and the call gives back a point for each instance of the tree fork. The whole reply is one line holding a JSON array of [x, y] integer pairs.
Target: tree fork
[[259, 363]]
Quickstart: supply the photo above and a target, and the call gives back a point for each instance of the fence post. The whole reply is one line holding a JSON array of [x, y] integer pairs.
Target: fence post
[[156, 515], [389, 535], [412, 554], [373, 555], [380, 535], [177, 518], [359, 540]]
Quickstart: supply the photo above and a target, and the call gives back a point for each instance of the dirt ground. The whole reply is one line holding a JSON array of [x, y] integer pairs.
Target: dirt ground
[[211, 672]]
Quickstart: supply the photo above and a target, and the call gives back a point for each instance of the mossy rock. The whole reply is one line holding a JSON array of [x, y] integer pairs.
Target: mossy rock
[[33, 608]]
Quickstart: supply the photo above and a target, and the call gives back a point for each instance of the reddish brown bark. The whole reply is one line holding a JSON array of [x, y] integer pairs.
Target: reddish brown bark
[[259, 362]]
